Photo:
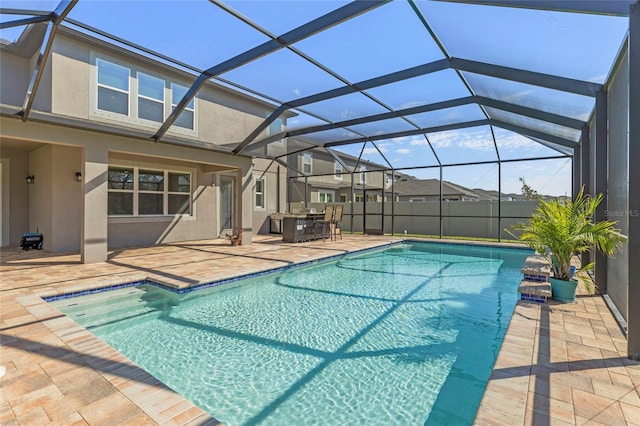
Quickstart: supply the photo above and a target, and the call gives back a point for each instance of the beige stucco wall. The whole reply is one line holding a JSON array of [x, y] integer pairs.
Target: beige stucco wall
[[275, 177], [41, 193], [14, 79], [222, 117]]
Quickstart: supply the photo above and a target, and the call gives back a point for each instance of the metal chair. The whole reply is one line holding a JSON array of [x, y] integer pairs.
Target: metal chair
[[323, 226], [336, 222]]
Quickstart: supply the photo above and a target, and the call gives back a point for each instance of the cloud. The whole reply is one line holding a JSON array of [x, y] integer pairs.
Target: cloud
[[403, 151]]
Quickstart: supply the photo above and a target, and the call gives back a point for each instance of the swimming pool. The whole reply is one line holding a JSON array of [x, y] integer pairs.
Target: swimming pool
[[406, 335]]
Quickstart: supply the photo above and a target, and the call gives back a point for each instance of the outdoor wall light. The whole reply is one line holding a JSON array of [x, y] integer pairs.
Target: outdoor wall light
[[31, 179], [79, 176]]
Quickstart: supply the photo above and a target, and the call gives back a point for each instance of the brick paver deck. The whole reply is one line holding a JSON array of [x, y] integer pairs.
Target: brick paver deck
[[558, 364]]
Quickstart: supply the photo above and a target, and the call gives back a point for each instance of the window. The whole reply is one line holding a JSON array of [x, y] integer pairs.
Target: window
[[186, 118], [325, 197], [120, 199], [113, 87], [143, 192], [306, 162], [150, 98], [178, 193], [150, 192], [338, 171], [259, 190], [359, 198], [363, 175], [343, 198]]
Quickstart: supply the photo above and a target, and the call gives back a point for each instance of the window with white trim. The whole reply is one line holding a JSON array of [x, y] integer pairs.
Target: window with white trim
[[337, 170], [363, 175], [274, 128], [147, 192], [113, 87], [187, 116], [306, 162], [259, 192], [325, 197], [150, 97]]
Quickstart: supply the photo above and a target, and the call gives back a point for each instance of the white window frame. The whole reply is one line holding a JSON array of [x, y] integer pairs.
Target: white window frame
[[322, 196], [132, 117], [306, 155], [337, 171], [363, 175], [263, 193], [275, 129], [187, 108], [115, 89], [160, 101], [165, 192]]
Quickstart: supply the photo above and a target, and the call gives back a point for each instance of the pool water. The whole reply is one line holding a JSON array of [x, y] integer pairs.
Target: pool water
[[407, 335]]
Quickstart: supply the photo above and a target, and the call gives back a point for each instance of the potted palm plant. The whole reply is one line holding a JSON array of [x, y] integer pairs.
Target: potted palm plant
[[558, 230]]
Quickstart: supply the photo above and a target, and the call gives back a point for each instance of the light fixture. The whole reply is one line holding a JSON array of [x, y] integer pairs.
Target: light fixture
[[31, 179], [79, 176]]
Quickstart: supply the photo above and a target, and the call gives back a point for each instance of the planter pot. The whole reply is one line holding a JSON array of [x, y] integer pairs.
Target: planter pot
[[563, 291]]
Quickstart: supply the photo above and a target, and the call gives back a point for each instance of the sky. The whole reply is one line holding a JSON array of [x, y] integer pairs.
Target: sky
[[390, 38]]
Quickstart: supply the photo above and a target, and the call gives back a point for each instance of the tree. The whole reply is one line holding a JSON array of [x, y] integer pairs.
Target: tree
[[528, 192]]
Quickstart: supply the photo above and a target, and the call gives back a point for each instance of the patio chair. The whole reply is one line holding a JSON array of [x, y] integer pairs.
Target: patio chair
[[336, 222], [322, 226]]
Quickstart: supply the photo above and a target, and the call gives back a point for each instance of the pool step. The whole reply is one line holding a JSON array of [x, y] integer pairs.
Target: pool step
[[535, 285], [534, 291], [536, 268]]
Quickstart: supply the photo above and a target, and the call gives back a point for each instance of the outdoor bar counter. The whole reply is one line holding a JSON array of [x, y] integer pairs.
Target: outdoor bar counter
[[297, 227]]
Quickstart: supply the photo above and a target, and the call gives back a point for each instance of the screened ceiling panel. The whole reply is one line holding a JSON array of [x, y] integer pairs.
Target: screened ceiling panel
[[277, 149], [329, 136], [441, 117], [303, 120], [40, 5], [474, 144], [373, 44], [540, 98], [386, 39], [283, 75], [372, 157], [289, 14], [154, 24], [560, 148], [351, 153], [12, 34], [479, 176], [512, 146], [545, 176], [354, 105], [410, 151], [535, 124], [579, 46], [423, 90], [382, 127]]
